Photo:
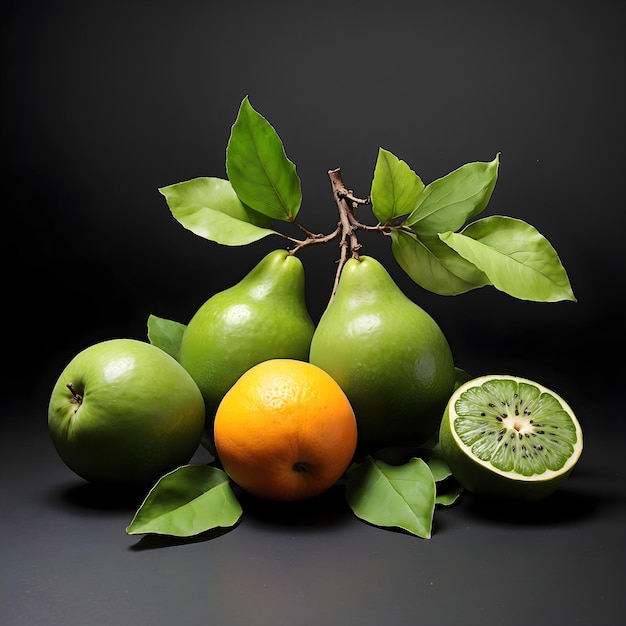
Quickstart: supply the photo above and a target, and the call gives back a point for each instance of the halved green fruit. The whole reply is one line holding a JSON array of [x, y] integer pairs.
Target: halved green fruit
[[509, 437]]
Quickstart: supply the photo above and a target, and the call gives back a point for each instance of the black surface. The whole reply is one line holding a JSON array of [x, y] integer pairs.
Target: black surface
[[67, 560], [105, 102]]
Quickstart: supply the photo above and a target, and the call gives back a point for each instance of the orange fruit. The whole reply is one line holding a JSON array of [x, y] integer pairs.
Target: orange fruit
[[285, 430]]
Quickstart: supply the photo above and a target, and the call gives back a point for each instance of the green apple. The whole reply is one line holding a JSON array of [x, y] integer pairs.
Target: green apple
[[124, 412]]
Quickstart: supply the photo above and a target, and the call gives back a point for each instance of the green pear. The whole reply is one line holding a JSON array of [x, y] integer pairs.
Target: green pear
[[263, 316], [389, 356]]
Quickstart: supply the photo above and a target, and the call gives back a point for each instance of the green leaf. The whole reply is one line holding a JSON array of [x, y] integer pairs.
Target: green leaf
[[448, 493], [434, 265], [439, 468], [210, 208], [258, 168], [189, 500], [461, 376], [447, 203], [401, 496], [215, 193], [448, 489], [395, 187], [516, 258], [165, 334]]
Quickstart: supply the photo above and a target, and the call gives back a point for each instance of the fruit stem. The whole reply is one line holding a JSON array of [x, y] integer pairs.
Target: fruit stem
[[347, 204], [346, 229], [78, 398]]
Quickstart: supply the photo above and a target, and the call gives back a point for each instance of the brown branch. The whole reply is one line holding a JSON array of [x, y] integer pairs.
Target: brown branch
[[314, 239], [346, 229], [348, 195], [346, 204]]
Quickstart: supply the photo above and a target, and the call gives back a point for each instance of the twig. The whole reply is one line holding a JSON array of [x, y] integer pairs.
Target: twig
[[346, 204]]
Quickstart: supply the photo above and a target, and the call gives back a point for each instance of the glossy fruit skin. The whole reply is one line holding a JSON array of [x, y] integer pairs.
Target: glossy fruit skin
[[263, 316], [141, 413], [285, 430], [388, 355]]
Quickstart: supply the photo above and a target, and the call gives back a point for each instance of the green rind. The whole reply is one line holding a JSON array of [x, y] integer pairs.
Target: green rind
[[486, 481]]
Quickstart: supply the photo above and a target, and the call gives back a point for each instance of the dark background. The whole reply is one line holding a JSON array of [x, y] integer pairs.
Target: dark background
[[105, 102]]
